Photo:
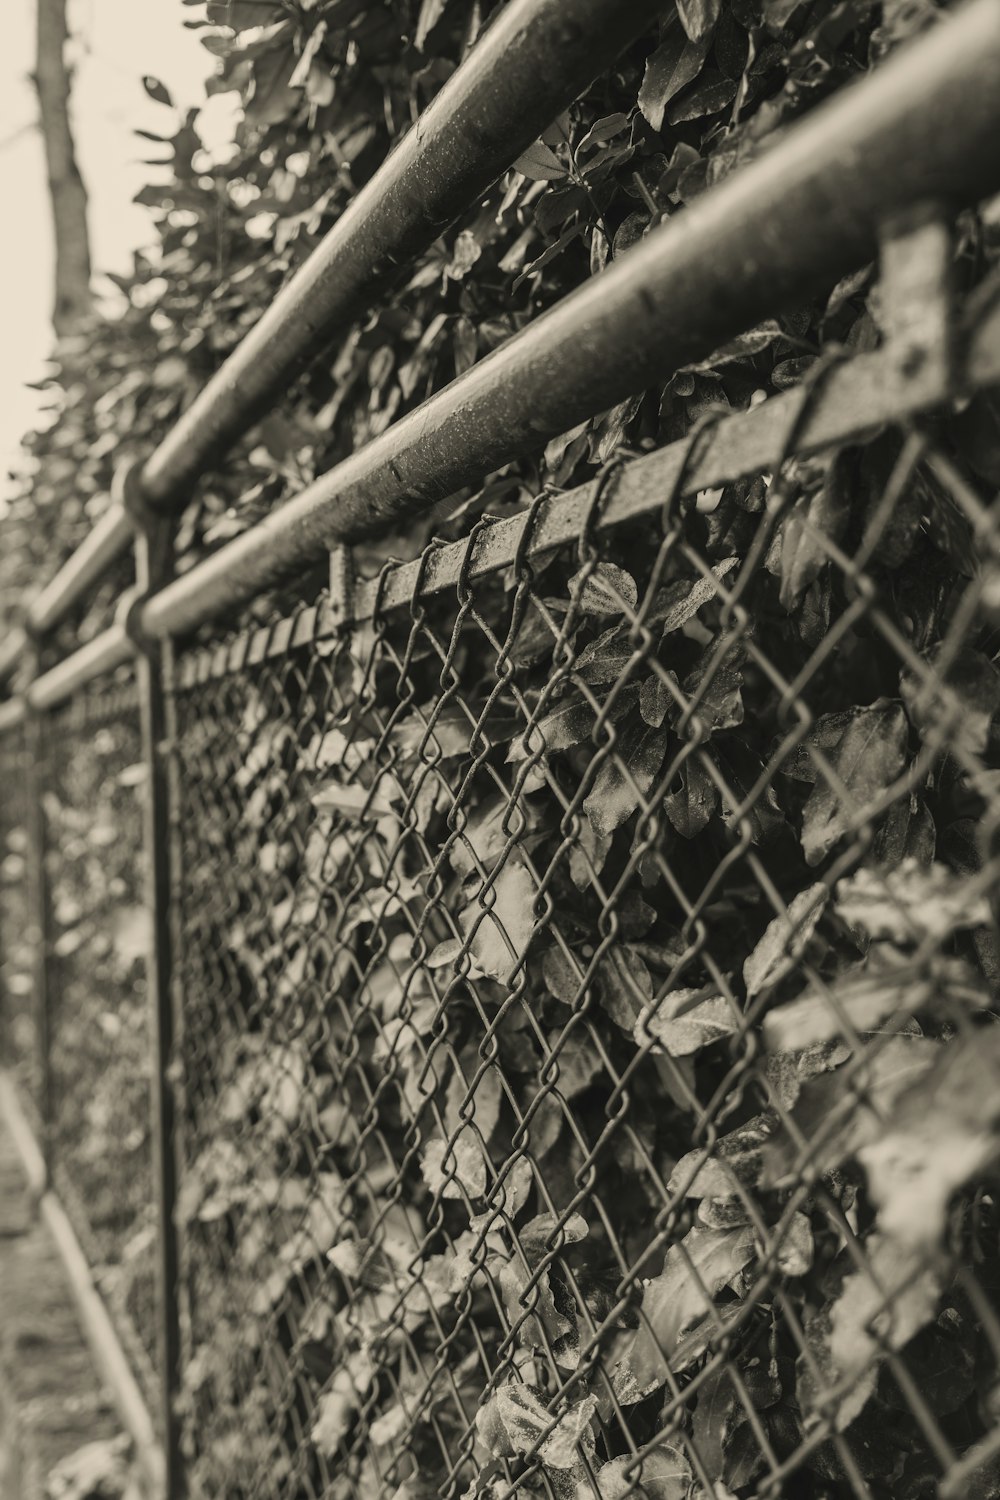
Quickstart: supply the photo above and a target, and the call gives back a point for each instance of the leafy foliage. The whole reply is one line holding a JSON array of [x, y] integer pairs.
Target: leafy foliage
[[553, 1022]]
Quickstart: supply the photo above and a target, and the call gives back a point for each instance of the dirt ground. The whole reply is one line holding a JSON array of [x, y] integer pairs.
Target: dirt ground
[[51, 1403]]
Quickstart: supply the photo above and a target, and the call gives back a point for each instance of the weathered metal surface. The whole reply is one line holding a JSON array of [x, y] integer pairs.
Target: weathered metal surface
[[529, 65], [783, 228], [111, 649], [12, 715], [154, 568], [856, 398], [110, 537]]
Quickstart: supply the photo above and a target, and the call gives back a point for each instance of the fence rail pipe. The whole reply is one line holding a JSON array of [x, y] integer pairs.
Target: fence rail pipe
[[110, 537], [153, 567], [12, 650], [532, 62], [12, 715], [779, 230], [111, 649]]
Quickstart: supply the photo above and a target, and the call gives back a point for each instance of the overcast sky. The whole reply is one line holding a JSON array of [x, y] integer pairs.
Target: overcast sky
[[117, 42]]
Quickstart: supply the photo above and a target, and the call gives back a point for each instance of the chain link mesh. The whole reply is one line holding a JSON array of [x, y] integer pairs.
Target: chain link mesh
[[93, 778], [587, 978]]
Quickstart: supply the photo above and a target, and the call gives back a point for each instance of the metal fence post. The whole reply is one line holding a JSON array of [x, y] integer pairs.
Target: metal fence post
[[40, 907], [154, 568]]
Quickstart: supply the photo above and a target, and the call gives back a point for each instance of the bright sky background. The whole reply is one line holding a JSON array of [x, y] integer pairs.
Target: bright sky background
[[116, 42]]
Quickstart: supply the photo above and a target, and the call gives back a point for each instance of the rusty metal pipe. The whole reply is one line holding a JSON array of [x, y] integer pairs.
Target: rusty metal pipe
[[528, 66], [780, 230]]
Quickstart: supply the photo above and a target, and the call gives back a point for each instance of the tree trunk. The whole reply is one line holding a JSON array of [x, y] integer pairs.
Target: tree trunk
[[67, 193]]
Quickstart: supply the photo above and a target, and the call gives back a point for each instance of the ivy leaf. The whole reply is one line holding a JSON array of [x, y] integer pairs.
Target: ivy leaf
[[685, 1021], [663, 1473], [836, 1122], [336, 1408], [624, 778], [795, 1246], [679, 602], [865, 1000], [974, 681], [674, 64], [512, 1422], [485, 836], [679, 1300], [942, 1132], [785, 940], [355, 801], [736, 1161], [879, 1308], [540, 163], [910, 903], [824, 513], [654, 700], [698, 17], [457, 1171], [867, 760], [690, 808], [720, 706], [622, 979], [712, 92], [605, 659], [500, 925], [716, 1417], [568, 724], [604, 590], [240, 15]]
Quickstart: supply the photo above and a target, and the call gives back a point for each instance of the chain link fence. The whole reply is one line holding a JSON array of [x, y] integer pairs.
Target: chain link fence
[[588, 1039], [92, 778]]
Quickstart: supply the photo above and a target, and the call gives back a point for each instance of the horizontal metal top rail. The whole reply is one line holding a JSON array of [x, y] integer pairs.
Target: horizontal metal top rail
[[106, 542], [530, 64], [806, 211]]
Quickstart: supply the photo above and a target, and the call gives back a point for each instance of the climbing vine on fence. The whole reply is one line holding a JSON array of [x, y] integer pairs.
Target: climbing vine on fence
[[411, 1079]]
